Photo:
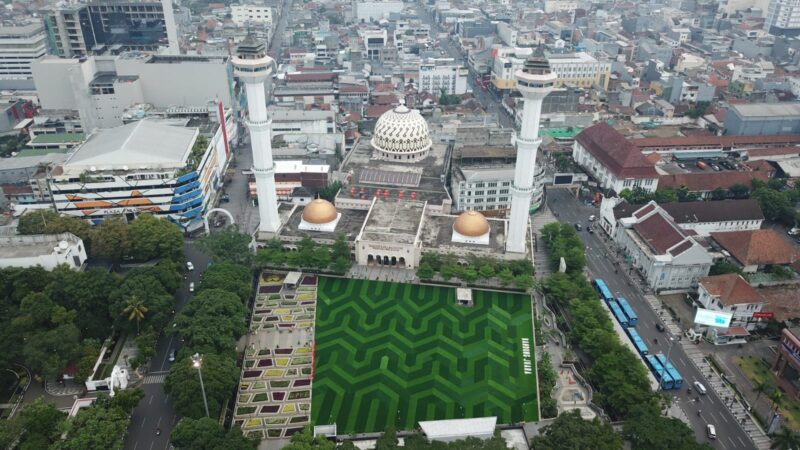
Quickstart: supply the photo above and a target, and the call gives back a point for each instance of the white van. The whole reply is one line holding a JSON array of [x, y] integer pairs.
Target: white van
[[700, 388], [711, 431]]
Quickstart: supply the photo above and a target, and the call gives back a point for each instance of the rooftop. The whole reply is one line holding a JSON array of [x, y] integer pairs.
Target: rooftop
[[349, 225], [701, 212], [18, 246], [437, 233], [142, 144], [660, 234], [715, 141], [731, 289], [616, 152], [394, 221], [767, 110], [758, 247], [708, 181]]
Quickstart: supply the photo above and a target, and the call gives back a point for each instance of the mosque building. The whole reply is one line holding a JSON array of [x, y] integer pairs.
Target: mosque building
[[394, 204]]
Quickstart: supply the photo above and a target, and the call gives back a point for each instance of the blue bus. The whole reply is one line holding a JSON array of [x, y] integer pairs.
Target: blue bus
[[677, 381], [629, 312], [601, 287], [612, 304], [637, 341], [663, 377]]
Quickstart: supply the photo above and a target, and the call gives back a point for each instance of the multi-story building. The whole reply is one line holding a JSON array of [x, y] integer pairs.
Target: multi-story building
[[46, 250], [613, 160], [580, 69], [667, 257], [787, 362], [80, 29], [732, 294], [149, 166], [374, 10], [783, 18], [482, 177], [20, 45], [554, 6], [763, 118], [375, 43], [438, 75], [249, 13], [507, 61]]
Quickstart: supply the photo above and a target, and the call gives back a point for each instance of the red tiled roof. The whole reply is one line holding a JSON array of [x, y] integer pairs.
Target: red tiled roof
[[385, 99], [616, 152], [773, 151], [311, 76], [353, 89], [731, 289], [758, 247], [716, 141], [708, 181], [374, 111], [659, 234], [12, 189]]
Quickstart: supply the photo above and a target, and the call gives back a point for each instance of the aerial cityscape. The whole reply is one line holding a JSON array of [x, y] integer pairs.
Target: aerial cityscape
[[388, 224]]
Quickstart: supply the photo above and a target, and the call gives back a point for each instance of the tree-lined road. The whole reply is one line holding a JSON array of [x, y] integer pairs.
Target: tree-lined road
[[599, 262]]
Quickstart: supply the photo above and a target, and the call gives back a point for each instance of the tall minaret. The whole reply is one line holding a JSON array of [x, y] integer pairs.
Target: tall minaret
[[534, 81], [253, 67]]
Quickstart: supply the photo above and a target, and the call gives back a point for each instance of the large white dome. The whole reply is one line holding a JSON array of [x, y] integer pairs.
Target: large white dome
[[401, 134]]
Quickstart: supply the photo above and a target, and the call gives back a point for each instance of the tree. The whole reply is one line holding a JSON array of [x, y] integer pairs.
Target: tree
[[665, 195], [228, 244], [649, 430], [722, 267], [762, 387], [91, 351], [220, 376], [424, 271], [234, 278], [135, 310], [775, 397], [774, 204], [306, 441], [207, 434], [212, 321], [570, 431], [341, 265], [35, 222], [739, 191], [506, 276], [719, 194], [524, 281], [486, 271], [329, 191], [321, 257], [38, 425], [152, 237], [111, 239], [388, 440], [98, 427], [785, 439]]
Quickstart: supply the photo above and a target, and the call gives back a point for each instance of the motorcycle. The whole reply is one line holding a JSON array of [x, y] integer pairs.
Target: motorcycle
[[158, 431]]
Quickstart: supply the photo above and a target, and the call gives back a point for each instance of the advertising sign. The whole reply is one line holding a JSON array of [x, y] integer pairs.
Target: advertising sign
[[763, 315], [712, 318]]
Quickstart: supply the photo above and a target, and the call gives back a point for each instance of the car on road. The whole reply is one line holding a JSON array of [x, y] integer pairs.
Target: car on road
[[189, 265], [578, 227], [660, 327], [711, 431], [191, 286], [590, 229], [592, 218], [700, 388], [171, 356]]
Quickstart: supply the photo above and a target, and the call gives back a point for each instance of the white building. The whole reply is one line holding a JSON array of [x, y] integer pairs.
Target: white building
[[369, 11], [701, 217], [292, 121], [783, 18], [507, 61], [732, 294], [442, 74], [20, 45], [668, 257], [102, 88], [580, 69], [146, 166], [46, 250], [612, 160], [255, 14], [553, 6], [507, 33]]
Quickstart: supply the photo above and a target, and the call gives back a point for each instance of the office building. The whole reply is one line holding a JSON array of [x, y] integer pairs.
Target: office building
[[437, 75], [251, 14], [369, 11], [787, 362], [81, 29], [580, 69], [730, 293], [783, 18], [20, 45]]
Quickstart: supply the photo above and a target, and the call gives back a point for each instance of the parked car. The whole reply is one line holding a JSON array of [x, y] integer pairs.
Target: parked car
[[578, 227], [590, 229]]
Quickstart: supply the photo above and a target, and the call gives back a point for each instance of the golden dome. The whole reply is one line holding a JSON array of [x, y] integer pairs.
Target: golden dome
[[319, 211], [472, 224]]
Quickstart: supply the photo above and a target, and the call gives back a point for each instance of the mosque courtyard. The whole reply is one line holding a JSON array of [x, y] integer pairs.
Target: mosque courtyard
[[392, 354]]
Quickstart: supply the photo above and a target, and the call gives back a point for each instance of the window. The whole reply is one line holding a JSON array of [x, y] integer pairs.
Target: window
[[504, 191], [478, 192], [491, 191]]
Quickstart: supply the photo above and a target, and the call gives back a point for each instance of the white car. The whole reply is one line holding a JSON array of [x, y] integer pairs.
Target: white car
[[189, 265], [171, 356], [592, 218], [191, 286], [700, 388], [711, 431]]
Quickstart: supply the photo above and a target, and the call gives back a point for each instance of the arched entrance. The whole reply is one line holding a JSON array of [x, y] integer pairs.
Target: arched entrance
[[213, 210], [401, 262], [370, 260]]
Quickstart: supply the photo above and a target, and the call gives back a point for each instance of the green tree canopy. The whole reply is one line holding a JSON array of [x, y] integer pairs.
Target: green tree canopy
[[212, 321], [111, 239], [98, 427], [152, 237], [648, 430], [234, 278], [207, 434], [220, 376], [571, 431], [228, 244]]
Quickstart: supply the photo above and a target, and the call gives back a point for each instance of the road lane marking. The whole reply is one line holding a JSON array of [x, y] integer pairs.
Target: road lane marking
[[151, 400], [724, 418], [143, 420], [732, 443], [135, 444], [152, 443], [744, 444], [166, 354], [166, 399]]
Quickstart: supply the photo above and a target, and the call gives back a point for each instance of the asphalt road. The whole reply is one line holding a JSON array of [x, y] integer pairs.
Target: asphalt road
[[600, 264], [155, 409]]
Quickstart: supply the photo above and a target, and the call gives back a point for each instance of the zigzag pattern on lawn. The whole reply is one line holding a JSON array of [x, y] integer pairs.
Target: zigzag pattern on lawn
[[395, 354]]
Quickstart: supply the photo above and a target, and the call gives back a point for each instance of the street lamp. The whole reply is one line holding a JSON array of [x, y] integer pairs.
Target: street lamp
[[197, 363], [664, 366]]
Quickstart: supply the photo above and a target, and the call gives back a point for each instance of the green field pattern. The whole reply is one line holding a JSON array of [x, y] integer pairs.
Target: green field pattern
[[395, 354]]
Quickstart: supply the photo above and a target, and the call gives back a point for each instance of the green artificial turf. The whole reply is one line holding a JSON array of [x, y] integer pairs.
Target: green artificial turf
[[391, 354]]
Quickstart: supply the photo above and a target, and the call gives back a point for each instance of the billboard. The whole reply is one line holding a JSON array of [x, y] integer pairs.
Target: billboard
[[562, 179], [712, 318], [763, 315]]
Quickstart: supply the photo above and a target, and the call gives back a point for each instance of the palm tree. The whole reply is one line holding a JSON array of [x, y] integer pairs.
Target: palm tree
[[760, 388], [785, 439], [775, 396], [135, 310]]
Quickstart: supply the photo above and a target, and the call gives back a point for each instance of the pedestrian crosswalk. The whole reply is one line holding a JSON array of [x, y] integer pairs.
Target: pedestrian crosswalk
[[155, 379]]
